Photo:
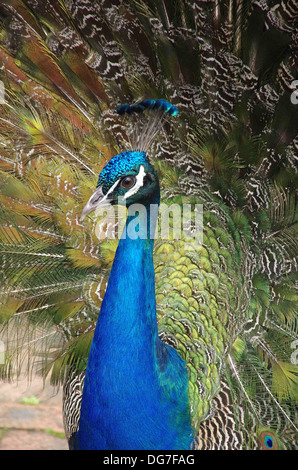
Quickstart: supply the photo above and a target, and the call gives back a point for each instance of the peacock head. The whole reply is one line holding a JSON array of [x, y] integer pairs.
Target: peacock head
[[128, 178]]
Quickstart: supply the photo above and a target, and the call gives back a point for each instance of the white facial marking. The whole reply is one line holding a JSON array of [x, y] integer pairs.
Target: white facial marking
[[97, 199], [109, 192], [138, 184], [112, 188]]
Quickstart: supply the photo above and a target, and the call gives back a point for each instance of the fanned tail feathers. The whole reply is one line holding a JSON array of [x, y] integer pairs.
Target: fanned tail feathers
[[230, 308]]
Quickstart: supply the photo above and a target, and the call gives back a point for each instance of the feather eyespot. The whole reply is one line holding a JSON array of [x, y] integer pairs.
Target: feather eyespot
[[267, 441], [128, 182]]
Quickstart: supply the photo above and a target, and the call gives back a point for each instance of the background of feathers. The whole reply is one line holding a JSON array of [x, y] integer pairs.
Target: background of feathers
[[229, 67]]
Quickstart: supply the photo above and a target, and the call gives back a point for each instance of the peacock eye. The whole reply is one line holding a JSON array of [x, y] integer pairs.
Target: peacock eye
[[128, 182]]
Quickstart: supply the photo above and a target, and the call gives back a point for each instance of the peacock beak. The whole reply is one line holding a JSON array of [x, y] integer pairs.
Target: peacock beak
[[97, 200]]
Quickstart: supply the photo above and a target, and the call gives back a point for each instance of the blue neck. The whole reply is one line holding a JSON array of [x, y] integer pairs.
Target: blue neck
[[123, 396], [129, 303]]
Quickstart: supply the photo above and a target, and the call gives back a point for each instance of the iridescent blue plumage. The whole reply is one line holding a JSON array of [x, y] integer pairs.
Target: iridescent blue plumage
[[119, 165], [160, 104], [268, 442], [136, 387]]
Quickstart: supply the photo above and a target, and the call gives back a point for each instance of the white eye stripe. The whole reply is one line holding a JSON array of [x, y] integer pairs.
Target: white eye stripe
[[113, 187], [138, 184], [98, 199], [110, 190]]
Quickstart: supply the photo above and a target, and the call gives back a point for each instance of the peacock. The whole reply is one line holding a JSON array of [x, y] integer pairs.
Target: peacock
[[117, 116]]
